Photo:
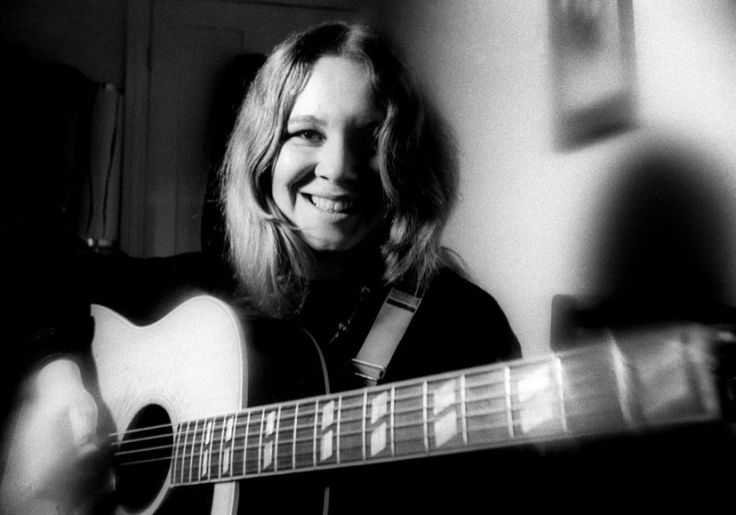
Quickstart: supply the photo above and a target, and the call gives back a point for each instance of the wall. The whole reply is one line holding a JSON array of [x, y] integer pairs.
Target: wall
[[530, 216]]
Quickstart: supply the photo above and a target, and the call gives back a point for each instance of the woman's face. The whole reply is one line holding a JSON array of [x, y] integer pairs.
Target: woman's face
[[326, 180]]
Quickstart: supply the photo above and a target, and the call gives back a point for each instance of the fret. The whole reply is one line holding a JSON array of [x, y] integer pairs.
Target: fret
[[560, 392], [337, 429], [305, 441], [205, 450], [488, 406], [507, 393], [623, 391], [409, 420], [199, 450], [535, 400], [177, 469], [668, 377], [186, 469], [425, 416], [216, 447], [253, 443], [378, 424], [463, 411], [363, 426], [392, 421], [442, 413], [325, 438], [226, 455], [294, 436], [591, 392], [275, 445], [240, 436], [267, 440], [314, 435], [196, 450], [664, 381], [259, 450], [285, 438], [351, 428]]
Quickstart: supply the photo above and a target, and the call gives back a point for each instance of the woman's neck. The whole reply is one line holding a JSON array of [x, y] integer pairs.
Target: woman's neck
[[356, 264]]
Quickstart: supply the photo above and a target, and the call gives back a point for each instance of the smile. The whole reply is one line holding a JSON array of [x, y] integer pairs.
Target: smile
[[331, 205]]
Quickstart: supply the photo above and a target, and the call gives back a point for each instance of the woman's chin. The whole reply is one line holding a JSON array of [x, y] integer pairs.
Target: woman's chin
[[333, 243]]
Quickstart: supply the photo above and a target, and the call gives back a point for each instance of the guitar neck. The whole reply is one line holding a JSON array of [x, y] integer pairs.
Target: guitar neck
[[605, 388]]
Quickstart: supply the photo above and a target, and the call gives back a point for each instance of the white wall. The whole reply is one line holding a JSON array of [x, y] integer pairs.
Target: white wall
[[529, 216]]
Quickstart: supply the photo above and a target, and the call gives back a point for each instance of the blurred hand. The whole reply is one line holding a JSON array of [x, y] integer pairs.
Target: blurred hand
[[56, 461]]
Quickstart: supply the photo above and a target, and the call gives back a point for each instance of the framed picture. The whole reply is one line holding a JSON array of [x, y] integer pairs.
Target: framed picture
[[594, 79]]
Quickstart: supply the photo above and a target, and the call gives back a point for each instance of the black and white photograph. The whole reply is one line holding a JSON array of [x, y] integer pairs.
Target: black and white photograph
[[349, 257]]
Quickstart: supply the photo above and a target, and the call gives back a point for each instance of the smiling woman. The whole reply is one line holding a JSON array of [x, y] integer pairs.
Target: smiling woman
[[336, 189], [326, 180], [334, 151], [337, 186]]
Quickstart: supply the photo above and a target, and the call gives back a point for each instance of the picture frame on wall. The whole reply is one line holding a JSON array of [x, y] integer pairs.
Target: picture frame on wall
[[593, 65]]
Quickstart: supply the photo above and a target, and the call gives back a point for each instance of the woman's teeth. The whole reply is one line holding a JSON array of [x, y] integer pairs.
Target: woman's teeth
[[331, 205]]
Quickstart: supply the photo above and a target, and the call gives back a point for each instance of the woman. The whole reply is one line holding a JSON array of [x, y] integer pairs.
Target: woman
[[335, 192], [336, 186]]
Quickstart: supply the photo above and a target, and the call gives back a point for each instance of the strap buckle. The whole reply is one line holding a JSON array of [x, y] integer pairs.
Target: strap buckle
[[368, 371]]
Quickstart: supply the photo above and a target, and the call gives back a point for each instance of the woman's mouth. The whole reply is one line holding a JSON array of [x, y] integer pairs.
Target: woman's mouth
[[331, 205]]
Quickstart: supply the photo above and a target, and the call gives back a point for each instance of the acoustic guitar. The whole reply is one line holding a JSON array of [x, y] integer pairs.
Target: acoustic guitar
[[186, 399]]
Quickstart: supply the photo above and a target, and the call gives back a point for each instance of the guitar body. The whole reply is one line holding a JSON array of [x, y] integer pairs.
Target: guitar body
[[196, 361]]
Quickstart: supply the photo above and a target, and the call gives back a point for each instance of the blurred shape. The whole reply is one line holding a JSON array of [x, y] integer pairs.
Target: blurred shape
[[592, 45], [665, 247]]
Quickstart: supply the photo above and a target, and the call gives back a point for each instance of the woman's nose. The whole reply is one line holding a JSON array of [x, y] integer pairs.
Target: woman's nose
[[337, 161]]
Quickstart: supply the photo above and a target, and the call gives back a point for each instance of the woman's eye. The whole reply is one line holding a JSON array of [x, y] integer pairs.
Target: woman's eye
[[308, 135]]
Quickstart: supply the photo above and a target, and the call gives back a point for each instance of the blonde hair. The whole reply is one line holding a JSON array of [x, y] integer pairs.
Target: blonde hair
[[418, 179]]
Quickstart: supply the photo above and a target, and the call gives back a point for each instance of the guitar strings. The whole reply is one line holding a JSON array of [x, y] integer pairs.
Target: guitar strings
[[293, 457], [417, 411], [295, 461], [359, 398], [254, 447]]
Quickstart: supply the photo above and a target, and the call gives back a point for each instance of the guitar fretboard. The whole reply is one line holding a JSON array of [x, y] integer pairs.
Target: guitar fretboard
[[594, 390]]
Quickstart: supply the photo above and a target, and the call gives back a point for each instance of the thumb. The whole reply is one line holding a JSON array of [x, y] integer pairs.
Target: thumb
[[83, 423]]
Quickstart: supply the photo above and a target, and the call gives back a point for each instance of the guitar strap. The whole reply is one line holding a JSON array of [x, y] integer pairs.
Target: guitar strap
[[385, 334]]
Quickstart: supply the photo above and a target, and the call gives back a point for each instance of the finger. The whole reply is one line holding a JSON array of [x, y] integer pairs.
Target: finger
[[83, 424]]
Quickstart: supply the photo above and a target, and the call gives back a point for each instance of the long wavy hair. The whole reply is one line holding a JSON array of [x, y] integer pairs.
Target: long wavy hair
[[417, 172]]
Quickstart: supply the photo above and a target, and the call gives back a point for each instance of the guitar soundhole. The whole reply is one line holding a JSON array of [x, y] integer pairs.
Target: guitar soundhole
[[143, 458]]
